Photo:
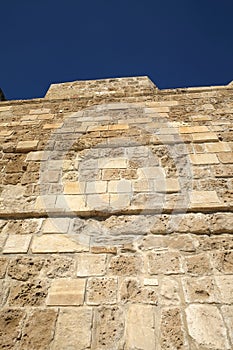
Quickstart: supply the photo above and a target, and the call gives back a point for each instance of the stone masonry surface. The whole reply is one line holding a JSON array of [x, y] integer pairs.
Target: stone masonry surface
[[116, 218]]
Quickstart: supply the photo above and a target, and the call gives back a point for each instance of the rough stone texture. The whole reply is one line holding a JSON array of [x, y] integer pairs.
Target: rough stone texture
[[116, 222], [73, 329], [38, 331], [206, 327]]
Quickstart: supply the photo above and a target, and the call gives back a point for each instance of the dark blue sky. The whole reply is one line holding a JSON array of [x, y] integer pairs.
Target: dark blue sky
[[177, 43]]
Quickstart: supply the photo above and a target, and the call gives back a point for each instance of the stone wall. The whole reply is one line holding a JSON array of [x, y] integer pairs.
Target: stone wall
[[116, 218]]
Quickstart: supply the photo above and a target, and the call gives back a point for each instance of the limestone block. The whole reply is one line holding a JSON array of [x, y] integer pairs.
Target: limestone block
[[226, 158], [172, 330], [96, 187], [66, 292], [164, 262], [120, 186], [198, 264], [53, 126], [159, 109], [203, 158], [39, 111], [101, 290], [108, 328], [126, 265], [74, 187], [73, 329], [134, 290], [200, 289], [3, 266], [227, 312], [225, 286], [17, 244], [205, 137], [27, 146], [140, 328], [75, 203], [56, 225], [23, 268], [112, 163], [11, 322], [221, 223], [30, 293], [218, 147], [206, 327], [204, 199], [91, 265], [223, 261], [193, 129], [119, 201], [37, 334], [57, 243], [169, 292]]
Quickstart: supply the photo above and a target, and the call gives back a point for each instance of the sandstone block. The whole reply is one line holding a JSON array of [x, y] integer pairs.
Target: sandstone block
[[134, 290], [140, 328], [225, 286], [108, 328], [3, 266], [120, 186], [217, 147], [39, 111], [24, 294], [203, 158], [91, 265], [27, 146], [11, 322], [101, 290], [112, 163], [125, 265], [56, 243], [223, 261], [193, 129], [227, 312], [200, 289], [73, 329], [206, 327], [66, 292], [164, 262], [198, 264], [96, 187], [17, 244], [56, 225], [38, 335], [172, 330], [204, 137], [226, 158], [169, 292]]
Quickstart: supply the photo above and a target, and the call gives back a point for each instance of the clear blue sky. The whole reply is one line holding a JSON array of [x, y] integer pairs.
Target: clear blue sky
[[176, 42]]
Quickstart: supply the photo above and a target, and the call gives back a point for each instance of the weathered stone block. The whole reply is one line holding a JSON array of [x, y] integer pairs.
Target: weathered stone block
[[101, 290], [126, 265], [39, 330], [172, 329], [200, 289], [73, 329], [108, 328], [164, 262], [206, 327], [11, 322]]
